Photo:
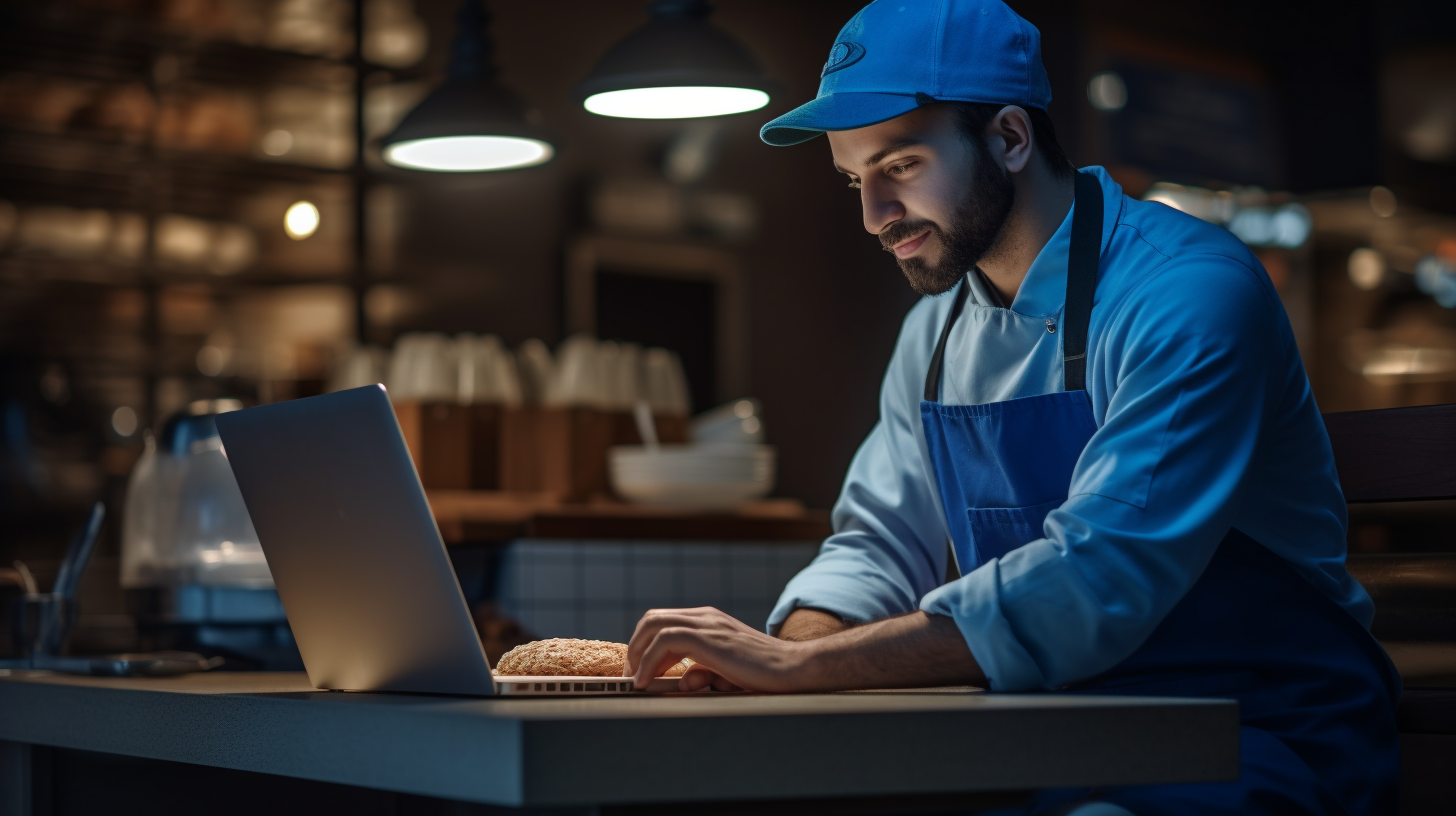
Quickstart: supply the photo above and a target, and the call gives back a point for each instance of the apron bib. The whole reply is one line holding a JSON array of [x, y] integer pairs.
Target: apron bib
[[1316, 692]]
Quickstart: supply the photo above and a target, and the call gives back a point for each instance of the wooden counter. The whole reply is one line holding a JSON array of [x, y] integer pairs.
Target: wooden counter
[[598, 751], [485, 516]]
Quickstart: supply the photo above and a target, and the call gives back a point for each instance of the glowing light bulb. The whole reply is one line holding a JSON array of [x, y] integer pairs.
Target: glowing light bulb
[[675, 103], [468, 154], [301, 220]]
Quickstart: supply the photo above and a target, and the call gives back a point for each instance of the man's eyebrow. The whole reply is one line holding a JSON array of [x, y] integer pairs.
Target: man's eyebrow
[[893, 147]]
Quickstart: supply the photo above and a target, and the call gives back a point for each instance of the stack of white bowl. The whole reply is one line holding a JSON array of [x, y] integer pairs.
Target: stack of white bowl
[[726, 465]]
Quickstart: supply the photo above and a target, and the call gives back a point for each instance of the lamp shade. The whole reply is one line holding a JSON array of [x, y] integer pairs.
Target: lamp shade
[[470, 123], [467, 125], [677, 66]]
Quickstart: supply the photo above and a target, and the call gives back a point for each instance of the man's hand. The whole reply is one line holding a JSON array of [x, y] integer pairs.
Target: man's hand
[[915, 650], [810, 624], [742, 657]]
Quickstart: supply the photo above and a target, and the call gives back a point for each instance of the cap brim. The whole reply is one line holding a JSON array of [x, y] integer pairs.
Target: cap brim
[[839, 111]]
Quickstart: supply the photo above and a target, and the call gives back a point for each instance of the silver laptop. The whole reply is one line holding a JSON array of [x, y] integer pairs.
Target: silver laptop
[[356, 554]]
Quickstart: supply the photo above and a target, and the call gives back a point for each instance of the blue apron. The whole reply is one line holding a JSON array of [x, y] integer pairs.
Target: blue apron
[[1316, 693]]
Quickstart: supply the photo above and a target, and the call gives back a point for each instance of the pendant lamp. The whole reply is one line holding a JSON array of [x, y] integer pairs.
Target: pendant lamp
[[678, 66], [470, 123]]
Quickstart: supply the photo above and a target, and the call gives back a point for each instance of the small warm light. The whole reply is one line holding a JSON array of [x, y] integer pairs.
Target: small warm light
[[468, 154], [1107, 92], [675, 103], [301, 220], [277, 142], [124, 421], [1366, 268], [751, 425], [743, 409], [211, 360], [1382, 201]]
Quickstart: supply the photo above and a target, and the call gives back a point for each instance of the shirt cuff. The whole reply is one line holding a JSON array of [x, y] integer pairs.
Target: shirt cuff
[[974, 603], [828, 595]]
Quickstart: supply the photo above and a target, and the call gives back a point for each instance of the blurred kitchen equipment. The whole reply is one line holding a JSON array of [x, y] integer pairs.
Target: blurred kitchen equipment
[[359, 366], [665, 383], [477, 417], [27, 580], [486, 372], [448, 395], [192, 570], [642, 414], [537, 370], [150, 664], [42, 622], [185, 521], [740, 422], [424, 368], [709, 477], [79, 554], [589, 398]]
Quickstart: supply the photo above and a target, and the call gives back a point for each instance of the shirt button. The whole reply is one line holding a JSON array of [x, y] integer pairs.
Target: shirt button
[[1051, 326]]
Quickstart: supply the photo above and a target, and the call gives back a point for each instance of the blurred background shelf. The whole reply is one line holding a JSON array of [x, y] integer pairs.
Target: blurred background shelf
[[476, 516]]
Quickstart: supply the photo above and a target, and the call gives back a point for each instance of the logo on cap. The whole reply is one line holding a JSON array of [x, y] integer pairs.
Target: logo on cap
[[841, 56]]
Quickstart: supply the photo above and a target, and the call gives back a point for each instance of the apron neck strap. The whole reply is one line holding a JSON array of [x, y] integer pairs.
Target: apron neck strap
[[1082, 261], [932, 377], [1081, 280]]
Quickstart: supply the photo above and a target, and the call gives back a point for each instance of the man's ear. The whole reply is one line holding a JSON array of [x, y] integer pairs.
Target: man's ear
[[1012, 126]]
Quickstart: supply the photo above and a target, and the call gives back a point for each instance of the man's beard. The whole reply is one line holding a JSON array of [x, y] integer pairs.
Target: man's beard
[[973, 231]]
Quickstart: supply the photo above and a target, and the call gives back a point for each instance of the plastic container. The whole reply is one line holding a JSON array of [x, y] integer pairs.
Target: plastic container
[[185, 522]]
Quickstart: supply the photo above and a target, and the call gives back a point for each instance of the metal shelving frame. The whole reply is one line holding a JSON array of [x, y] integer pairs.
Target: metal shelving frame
[[82, 169]]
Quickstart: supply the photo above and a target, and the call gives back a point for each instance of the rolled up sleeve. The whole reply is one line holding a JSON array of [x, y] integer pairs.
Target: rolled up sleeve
[[888, 546], [1188, 360]]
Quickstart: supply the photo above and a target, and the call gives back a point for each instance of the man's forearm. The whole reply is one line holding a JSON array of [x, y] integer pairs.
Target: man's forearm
[[912, 651], [810, 624]]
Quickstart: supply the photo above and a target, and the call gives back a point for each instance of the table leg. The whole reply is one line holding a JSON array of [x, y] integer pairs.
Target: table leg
[[24, 779]]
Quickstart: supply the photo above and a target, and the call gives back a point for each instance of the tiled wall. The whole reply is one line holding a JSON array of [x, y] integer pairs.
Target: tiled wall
[[599, 589]]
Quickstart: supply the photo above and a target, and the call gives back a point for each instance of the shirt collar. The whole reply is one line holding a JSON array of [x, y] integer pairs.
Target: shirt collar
[[1043, 291]]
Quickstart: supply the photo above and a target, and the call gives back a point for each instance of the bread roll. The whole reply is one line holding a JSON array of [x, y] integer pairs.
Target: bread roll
[[571, 657]]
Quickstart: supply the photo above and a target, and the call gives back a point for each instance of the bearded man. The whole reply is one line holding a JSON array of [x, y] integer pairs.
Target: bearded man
[[1098, 465]]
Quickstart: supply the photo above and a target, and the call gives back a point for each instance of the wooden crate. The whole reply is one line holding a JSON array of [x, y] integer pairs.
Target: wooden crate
[[670, 430], [556, 450], [563, 451], [455, 447]]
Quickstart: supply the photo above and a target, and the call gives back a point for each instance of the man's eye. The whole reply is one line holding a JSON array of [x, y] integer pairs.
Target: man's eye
[[899, 169]]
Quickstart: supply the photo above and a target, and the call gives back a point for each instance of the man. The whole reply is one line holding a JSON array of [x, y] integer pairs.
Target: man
[[1101, 406]]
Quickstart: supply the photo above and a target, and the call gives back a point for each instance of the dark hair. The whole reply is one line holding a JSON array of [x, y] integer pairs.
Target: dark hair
[[973, 117]]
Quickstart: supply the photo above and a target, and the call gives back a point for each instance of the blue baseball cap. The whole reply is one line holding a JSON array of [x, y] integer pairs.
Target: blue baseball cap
[[896, 55]]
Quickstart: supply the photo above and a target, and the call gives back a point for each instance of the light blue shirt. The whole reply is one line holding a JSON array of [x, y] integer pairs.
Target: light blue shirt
[[1205, 422]]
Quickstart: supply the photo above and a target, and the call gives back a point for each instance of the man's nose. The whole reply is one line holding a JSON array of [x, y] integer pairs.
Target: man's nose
[[880, 210]]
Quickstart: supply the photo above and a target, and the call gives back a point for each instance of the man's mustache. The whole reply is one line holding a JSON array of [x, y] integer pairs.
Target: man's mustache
[[900, 230]]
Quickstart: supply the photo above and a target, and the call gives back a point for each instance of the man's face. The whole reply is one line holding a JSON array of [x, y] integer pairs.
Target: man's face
[[935, 199]]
